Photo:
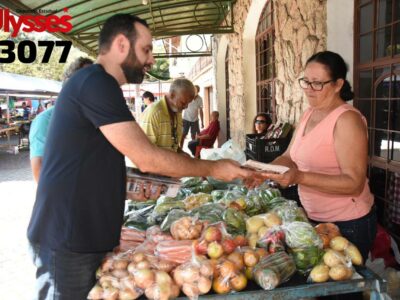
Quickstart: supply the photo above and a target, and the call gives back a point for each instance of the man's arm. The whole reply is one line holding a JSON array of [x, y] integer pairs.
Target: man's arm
[[130, 140], [36, 165]]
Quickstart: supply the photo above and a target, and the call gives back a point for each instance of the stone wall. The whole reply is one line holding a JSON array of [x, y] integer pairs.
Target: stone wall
[[300, 31]]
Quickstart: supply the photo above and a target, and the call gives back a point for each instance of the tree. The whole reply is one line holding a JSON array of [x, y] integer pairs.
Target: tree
[[160, 70], [51, 70]]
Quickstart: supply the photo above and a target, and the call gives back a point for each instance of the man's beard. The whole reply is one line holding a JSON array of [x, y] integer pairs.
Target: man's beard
[[133, 71]]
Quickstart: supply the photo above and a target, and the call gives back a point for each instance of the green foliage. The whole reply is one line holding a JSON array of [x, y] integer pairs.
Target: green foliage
[[51, 70], [160, 69]]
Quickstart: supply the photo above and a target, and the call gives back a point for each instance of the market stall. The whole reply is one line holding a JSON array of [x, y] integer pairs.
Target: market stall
[[215, 240]]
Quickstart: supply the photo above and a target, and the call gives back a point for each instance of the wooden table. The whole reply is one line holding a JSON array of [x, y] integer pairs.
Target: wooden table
[[8, 131]]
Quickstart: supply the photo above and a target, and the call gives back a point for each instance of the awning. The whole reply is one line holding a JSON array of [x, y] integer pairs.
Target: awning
[[15, 84], [165, 18]]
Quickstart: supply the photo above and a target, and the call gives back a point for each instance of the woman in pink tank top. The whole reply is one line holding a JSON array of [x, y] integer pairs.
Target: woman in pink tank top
[[328, 154]]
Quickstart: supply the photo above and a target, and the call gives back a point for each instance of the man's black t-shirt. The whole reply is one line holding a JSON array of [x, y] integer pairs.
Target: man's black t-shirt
[[80, 197]]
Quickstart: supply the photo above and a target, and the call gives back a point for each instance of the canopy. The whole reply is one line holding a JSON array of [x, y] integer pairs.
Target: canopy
[[27, 85], [165, 18]]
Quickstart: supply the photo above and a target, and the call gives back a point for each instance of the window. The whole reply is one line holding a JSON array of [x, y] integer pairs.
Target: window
[[377, 87], [265, 62]]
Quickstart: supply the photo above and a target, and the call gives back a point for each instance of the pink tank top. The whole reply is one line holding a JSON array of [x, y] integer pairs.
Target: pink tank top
[[315, 152]]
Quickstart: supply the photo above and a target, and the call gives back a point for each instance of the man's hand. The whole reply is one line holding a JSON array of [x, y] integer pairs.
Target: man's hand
[[228, 170]]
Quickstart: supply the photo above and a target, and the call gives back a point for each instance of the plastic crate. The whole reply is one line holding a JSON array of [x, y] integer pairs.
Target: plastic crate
[[265, 150]]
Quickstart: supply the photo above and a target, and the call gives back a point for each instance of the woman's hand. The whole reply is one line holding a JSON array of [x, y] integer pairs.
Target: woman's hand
[[291, 177]]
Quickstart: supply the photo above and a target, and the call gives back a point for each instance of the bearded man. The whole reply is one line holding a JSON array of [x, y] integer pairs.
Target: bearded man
[[162, 122], [78, 212]]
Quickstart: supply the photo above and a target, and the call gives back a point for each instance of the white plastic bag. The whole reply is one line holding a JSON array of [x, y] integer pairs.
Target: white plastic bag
[[229, 150]]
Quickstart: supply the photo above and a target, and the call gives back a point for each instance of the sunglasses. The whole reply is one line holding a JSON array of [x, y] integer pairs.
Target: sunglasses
[[260, 122]]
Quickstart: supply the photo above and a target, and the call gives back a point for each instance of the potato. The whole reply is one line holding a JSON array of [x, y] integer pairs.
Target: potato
[[354, 254], [272, 219], [262, 231], [253, 238], [339, 272], [320, 273], [333, 258], [339, 243], [253, 224]]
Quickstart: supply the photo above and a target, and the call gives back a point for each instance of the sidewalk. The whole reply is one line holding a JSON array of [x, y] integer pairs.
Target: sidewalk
[[17, 191]]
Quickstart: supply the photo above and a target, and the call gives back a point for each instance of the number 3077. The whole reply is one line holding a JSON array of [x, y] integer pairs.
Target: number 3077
[[27, 51]]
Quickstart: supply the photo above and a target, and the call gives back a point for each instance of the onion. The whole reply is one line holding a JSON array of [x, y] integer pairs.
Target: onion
[[120, 273], [120, 264], [96, 293], [138, 257], [144, 264], [190, 274], [128, 294], [110, 294], [163, 277], [204, 285], [206, 269], [128, 283], [144, 278], [190, 290], [178, 277], [107, 264], [174, 291], [107, 281], [131, 268]]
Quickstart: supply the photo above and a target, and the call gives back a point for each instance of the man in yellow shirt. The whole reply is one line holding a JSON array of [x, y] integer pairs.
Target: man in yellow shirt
[[162, 121]]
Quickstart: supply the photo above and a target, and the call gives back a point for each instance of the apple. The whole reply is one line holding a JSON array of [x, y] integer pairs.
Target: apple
[[215, 250], [228, 245], [241, 241], [212, 234], [201, 247]]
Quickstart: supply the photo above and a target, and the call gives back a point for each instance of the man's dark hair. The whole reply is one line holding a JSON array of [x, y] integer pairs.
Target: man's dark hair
[[148, 95], [77, 64], [118, 24]]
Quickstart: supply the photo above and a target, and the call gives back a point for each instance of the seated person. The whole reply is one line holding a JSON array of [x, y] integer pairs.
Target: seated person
[[261, 123], [207, 137]]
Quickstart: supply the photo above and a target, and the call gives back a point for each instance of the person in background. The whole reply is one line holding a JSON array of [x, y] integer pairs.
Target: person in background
[[162, 121], [40, 125], [328, 154], [191, 117], [148, 99], [79, 206], [207, 137], [261, 123], [26, 111]]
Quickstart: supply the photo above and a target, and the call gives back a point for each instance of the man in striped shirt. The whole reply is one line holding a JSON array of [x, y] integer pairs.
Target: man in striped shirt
[[162, 121]]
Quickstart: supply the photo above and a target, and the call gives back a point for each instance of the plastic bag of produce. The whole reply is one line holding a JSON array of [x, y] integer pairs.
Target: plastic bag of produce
[[211, 212], [186, 228], [196, 200], [290, 212], [194, 278], [267, 198], [114, 280], [172, 216], [235, 221], [228, 276], [217, 195], [258, 225], [137, 219], [306, 258], [253, 203], [273, 270], [301, 235], [163, 207], [273, 240], [155, 234], [175, 251], [191, 181]]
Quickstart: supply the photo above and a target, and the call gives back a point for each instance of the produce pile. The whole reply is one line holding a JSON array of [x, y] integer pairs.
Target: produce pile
[[209, 239]]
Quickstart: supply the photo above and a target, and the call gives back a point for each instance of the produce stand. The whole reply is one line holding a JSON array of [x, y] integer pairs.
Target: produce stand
[[297, 287]]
